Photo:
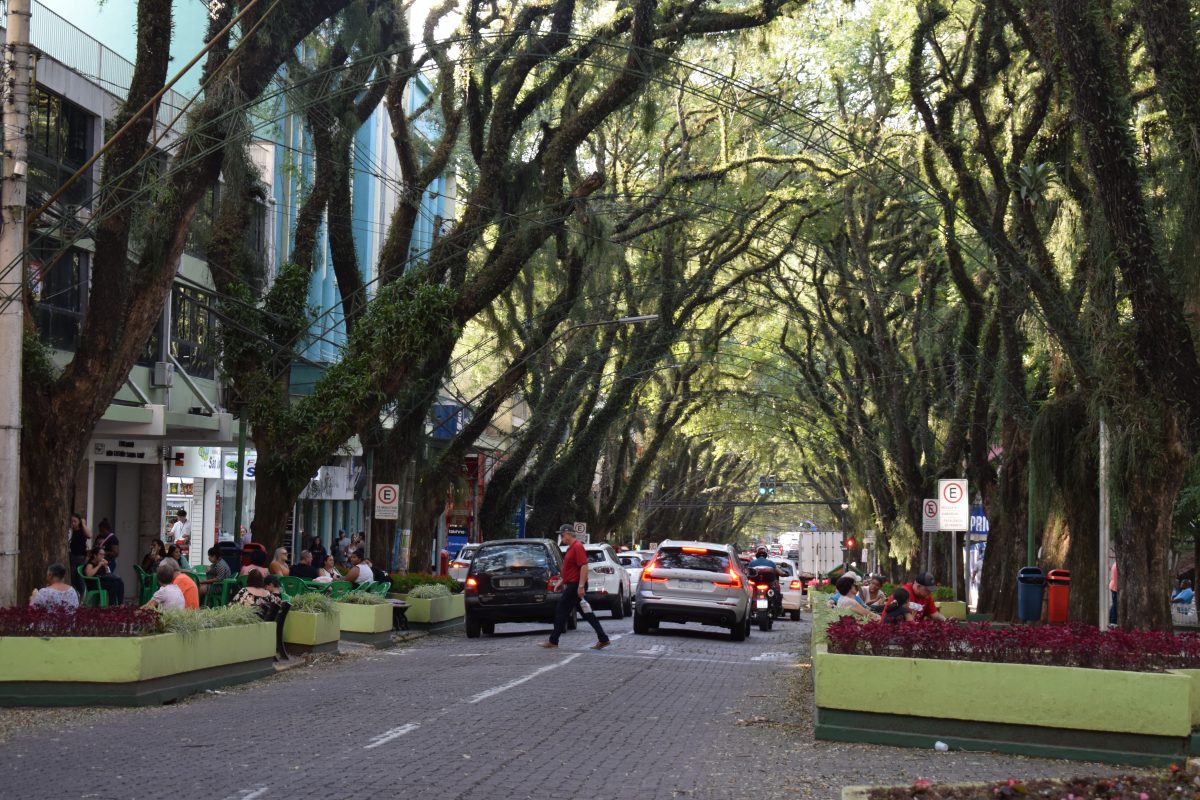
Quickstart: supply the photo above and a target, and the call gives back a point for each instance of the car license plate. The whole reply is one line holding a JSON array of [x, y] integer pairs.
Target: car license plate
[[693, 585], [760, 603], [510, 583]]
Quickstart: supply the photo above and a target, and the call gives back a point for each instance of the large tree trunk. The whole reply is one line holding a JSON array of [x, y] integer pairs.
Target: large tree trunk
[[274, 498], [1144, 542], [50, 455], [1007, 505]]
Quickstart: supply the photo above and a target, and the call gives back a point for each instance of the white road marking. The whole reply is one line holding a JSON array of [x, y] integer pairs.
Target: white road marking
[[774, 657], [394, 733], [495, 690], [248, 794], [655, 650]]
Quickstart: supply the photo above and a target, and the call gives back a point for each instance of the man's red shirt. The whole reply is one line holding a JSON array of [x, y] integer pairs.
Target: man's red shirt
[[574, 561]]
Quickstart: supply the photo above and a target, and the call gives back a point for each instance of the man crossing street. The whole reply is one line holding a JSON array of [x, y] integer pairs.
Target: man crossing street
[[574, 574]]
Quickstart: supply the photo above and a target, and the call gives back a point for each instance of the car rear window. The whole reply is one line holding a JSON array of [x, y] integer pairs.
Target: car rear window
[[630, 561], [708, 561], [510, 557], [595, 556]]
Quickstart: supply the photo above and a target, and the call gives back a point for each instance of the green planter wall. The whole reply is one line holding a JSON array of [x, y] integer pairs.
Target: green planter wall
[[1020, 694], [953, 609], [133, 670], [355, 618], [1058, 712], [434, 610], [312, 631]]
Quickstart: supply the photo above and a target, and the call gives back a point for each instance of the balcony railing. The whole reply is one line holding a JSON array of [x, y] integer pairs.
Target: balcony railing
[[61, 40]]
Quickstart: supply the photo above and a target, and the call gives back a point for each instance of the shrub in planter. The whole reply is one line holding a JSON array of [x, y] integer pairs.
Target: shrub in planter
[[185, 621], [360, 598], [1058, 645], [403, 584], [85, 621], [428, 591], [313, 603]]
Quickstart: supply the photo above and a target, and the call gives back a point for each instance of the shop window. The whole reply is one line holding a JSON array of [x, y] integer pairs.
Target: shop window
[[58, 282], [60, 142], [194, 332]]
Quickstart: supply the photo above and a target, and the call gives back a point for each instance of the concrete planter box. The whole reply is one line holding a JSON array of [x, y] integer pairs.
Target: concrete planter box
[[134, 670], [306, 632], [1115, 716], [953, 609], [370, 624], [431, 611]]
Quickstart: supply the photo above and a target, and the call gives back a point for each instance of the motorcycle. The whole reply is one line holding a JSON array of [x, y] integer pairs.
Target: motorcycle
[[768, 600]]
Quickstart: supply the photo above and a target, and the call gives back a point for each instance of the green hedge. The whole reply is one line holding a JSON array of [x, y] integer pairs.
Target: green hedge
[[403, 584]]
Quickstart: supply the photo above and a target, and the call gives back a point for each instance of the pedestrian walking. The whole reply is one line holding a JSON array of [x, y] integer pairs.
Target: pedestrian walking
[[574, 575]]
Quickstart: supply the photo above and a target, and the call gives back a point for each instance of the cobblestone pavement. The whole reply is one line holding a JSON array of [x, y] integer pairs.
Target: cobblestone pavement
[[681, 713]]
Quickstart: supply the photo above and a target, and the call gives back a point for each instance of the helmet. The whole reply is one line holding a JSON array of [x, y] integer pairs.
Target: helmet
[[760, 552]]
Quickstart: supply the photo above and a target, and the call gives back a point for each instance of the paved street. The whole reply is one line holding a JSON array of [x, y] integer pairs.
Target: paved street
[[685, 713]]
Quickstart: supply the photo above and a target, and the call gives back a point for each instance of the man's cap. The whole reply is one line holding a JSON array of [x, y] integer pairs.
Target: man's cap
[[566, 528], [925, 579]]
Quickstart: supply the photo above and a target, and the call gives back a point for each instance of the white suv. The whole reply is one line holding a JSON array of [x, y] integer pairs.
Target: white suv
[[694, 582], [608, 582]]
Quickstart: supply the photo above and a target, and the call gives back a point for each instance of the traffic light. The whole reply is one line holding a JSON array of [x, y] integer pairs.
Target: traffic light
[[767, 484], [849, 543], [762, 485]]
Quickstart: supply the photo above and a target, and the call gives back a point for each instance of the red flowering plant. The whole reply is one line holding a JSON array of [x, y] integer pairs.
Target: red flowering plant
[[1053, 645], [86, 621]]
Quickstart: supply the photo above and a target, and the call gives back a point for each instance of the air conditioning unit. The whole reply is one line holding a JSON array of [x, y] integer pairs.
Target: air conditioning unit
[[164, 374]]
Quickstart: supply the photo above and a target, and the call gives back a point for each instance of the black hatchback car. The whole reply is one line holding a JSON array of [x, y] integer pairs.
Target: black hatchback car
[[512, 580]]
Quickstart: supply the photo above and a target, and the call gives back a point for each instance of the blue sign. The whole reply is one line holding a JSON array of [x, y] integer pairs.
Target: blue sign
[[519, 518], [979, 521], [456, 538]]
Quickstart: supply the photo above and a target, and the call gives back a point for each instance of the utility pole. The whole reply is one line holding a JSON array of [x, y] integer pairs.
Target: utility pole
[[12, 281]]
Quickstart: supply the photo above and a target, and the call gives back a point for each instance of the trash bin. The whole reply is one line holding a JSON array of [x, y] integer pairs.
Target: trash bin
[[1059, 581], [231, 554], [1031, 583]]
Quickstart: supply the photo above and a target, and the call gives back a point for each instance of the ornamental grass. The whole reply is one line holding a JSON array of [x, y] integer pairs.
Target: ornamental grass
[[1074, 645]]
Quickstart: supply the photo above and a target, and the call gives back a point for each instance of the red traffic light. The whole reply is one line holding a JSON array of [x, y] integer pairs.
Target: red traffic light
[[850, 544]]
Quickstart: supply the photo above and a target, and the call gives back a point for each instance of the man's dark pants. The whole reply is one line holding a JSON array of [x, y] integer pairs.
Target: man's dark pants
[[568, 603]]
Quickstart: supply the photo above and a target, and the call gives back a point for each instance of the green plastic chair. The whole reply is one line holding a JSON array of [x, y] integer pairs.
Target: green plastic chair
[[147, 585], [92, 590], [380, 588], [291, 587], [339, 589], [220, 593]]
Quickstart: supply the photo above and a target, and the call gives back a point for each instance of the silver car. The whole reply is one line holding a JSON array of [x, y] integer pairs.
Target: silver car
[[694, 582]]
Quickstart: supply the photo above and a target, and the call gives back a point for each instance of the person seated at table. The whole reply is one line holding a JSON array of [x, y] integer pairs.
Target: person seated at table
[[360, 571], [328, 571], [305, 568], [279, 563], [258, 563], [176, 555], [1185, 594], [268, 602], [158, 551], [897, 609], [169, 596], [57, 594], [186, 584], [872, 594], [846, 598], [920, 598], [217, 570], [96, 566]]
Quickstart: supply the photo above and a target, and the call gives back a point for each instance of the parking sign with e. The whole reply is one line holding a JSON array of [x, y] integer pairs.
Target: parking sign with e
[[954, 512]]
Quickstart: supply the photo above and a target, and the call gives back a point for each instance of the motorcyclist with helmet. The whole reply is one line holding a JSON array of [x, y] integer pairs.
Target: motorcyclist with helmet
[[768, 572]]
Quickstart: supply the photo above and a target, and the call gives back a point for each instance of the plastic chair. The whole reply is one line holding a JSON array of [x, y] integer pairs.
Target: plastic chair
[[339, 589], [92, 590], [380, 588], [147, 585], [220, 593], [291, 586]]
